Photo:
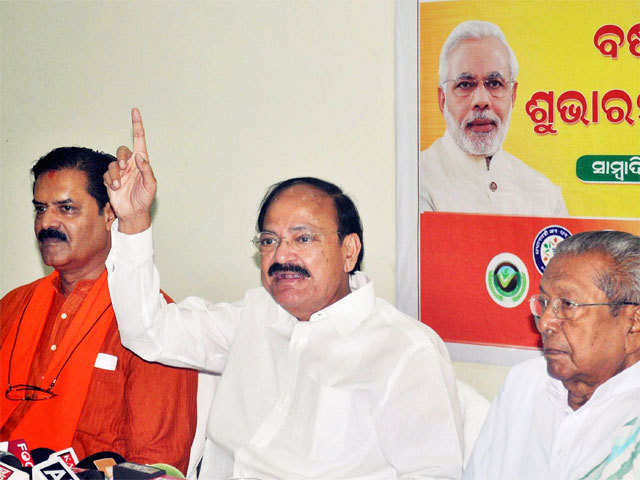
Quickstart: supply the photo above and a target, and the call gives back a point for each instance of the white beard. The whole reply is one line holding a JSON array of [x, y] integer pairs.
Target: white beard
[[477, 143]]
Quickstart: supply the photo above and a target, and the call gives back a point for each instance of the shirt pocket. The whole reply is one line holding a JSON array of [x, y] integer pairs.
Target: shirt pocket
[[340, 426], [102, 413]]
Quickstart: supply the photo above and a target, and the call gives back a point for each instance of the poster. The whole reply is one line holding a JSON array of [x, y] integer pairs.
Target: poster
[[570, 157]]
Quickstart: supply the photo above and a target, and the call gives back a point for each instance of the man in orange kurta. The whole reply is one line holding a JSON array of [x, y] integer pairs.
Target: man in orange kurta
[[67, 379]]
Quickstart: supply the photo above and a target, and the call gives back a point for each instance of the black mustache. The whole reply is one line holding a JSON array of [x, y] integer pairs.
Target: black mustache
[[287, 267], [51, 233]]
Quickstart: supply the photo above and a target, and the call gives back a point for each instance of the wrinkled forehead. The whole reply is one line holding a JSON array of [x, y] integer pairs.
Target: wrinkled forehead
[[577, 271], [301, 205], [479, 58]]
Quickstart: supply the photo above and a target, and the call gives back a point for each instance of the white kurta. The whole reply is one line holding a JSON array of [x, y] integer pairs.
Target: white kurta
[[453, 181], [531, 433], [360, 391]]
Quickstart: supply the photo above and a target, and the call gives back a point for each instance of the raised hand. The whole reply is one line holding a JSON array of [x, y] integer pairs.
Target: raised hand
[[130, 182]]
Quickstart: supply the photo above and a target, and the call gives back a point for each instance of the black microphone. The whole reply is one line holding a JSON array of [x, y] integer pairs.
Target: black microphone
[[135, 471], [91, 475], [101, 460], [11, 460], [8, 461], [41, 454]]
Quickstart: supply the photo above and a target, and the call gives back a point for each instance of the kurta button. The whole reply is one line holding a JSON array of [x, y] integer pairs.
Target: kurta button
[[63, 316], [493, 186], [53, 348]]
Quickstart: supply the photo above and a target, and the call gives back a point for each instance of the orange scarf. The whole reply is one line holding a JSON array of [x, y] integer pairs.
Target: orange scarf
[[52, 423]]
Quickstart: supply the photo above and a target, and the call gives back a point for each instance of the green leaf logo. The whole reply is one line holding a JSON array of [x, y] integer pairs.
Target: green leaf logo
[[505, 276]]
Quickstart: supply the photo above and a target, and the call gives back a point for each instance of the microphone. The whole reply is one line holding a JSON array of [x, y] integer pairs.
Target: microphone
[[91, 475], [19, 448], [135, 471], [11, 460], [10, 472], [101, 460], [41, 454], [53, 469]]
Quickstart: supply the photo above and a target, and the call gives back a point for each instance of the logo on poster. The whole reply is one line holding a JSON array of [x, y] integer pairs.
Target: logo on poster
[[507, 280], [545, 244]]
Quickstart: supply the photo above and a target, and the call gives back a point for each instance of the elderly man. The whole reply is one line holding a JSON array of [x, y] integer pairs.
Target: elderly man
[[69, 381], [467, 170], [321, 379], [574, 414]]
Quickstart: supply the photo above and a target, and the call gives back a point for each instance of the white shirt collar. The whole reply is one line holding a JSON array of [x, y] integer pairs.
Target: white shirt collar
[[348, 312], [345, 314], [626, 380]]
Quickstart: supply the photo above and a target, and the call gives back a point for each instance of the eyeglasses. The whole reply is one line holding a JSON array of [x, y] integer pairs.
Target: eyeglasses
[[497, 86], [562, 308], [267, 242], [28, 392]]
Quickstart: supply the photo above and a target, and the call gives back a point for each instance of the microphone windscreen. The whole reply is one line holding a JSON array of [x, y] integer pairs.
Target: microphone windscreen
[[8, 472], [41, 454], [11, 460], [91, 475], [89, 462]]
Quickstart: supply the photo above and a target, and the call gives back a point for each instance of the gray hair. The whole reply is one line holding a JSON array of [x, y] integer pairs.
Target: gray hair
[[474, 29], [621, 283]]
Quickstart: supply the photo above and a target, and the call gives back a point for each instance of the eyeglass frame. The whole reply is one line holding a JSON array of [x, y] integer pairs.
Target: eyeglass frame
[[508, 85], [23, 387], [298, 247], [555, 308]]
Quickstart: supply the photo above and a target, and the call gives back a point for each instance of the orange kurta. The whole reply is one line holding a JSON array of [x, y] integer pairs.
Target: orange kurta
[[142, 410]]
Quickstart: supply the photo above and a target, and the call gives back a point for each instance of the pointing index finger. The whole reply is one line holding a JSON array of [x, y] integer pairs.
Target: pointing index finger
[[139, 142]]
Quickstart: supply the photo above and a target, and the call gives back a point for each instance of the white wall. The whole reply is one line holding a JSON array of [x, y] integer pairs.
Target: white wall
[[235, 96]]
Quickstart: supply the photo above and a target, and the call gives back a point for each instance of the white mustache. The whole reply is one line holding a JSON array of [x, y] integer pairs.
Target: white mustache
[[475, 115]]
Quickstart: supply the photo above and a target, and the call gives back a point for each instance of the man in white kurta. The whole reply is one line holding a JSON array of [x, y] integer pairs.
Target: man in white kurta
[[359, 391], [451, 180], [532, 434], [574, 414], [320, 379], [466, 170]]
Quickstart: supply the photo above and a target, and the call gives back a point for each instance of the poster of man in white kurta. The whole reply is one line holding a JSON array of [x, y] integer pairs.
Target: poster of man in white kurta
[[466, 170]]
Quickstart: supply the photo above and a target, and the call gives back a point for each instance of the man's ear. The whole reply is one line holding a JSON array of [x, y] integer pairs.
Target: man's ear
[[635, 319], [514, 88], [109, 216], [633, 333], [351, 247], [441, 99]]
